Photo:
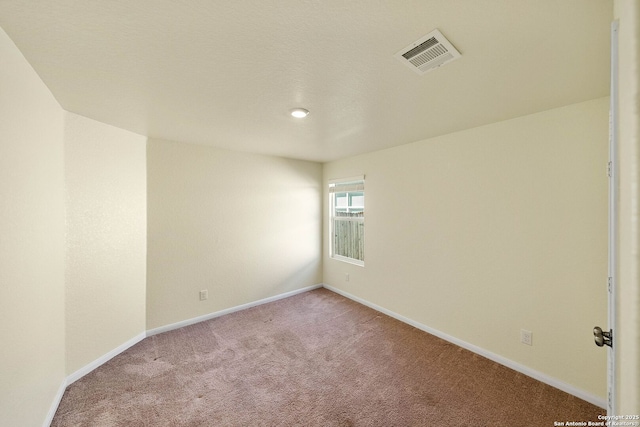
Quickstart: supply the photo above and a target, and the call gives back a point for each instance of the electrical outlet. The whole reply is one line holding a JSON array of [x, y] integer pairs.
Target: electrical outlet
[[204, 294], [346, 277], [526, 337]]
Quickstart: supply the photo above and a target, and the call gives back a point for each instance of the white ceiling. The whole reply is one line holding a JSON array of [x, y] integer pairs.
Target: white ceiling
[[226, 74]]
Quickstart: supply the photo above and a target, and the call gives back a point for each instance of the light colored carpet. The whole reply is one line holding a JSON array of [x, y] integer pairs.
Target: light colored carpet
[[314, 359]]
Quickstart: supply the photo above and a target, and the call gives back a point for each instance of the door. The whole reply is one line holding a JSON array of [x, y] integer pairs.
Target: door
[[613, 220], [606, 338]]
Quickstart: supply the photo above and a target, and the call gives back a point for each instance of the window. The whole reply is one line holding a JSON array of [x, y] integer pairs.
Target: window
[[346, 221]]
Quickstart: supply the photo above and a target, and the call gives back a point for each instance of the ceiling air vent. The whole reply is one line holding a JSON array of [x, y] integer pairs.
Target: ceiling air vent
[[428, 53]]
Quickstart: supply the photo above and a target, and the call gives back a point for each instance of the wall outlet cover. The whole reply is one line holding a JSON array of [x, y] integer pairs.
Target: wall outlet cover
[[526, 337]]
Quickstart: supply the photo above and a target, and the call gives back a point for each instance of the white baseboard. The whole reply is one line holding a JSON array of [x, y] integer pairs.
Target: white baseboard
[[116, 351], [104, 359], [554, 382], [54, 405], [84, 371], [478, 350], [213, 315]]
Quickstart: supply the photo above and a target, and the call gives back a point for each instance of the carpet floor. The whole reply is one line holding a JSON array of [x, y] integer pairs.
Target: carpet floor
[[314, 359]]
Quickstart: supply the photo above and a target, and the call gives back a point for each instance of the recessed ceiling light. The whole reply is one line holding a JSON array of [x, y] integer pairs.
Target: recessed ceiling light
[[299, 113]]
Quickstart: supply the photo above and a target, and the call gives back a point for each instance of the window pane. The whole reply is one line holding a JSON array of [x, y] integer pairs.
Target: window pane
[[348, 239], [357, 199], [347, 221]]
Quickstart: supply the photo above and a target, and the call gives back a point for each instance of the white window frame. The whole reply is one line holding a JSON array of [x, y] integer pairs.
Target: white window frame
[[332, 217]]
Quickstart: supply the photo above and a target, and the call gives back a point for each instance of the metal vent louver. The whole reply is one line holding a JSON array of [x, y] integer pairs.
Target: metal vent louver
[[428, 53]]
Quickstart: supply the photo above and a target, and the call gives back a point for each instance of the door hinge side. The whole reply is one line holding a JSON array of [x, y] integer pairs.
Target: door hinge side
[[609, 167], [609, 283]]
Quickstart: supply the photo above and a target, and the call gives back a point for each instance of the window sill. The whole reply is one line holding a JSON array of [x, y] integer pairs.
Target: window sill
[[347, 260]]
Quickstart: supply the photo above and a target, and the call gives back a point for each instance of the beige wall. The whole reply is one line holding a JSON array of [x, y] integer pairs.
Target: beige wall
[[483, 232], [627, 338], [105, 178], [242, 226], [32, 341]]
